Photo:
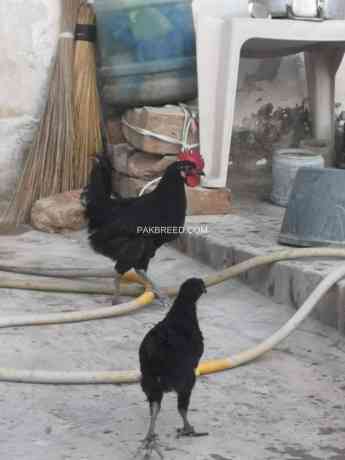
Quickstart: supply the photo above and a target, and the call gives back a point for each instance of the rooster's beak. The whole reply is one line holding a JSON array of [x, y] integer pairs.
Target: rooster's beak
[[200, 173]]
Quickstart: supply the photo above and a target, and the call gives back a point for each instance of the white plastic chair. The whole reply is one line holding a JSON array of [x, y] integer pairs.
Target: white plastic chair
[[222, 38]]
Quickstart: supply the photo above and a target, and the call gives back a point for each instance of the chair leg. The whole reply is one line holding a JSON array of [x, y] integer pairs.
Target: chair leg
[[321, 67], [217, 82]]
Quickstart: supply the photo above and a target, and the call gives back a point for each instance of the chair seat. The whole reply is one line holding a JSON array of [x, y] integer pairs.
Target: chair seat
[[222, 39]]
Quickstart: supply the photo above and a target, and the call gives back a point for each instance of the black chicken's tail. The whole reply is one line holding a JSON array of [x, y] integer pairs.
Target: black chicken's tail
[[96, 196]]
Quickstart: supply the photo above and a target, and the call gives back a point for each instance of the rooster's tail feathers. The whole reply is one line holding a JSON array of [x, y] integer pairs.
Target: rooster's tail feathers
[[99, 187]]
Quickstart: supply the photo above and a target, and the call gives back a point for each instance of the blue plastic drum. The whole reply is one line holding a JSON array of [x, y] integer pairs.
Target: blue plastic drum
[[147, 51]]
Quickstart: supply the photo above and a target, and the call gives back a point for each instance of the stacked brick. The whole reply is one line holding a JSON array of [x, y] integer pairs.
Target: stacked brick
[[143, 157]]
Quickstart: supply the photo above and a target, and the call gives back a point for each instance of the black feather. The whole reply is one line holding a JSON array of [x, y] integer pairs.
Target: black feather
[[114, 221], [171, 350]]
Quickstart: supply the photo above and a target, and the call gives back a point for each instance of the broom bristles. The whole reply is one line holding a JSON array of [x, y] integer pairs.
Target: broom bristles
[[87, 109]]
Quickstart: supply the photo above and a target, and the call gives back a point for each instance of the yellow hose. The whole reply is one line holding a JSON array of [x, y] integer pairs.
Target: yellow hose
[[77, 316], [133, 376], [73, 286], [78, 287], [121, 377]]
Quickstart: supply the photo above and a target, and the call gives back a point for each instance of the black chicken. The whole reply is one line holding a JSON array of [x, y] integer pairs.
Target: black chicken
[[130, 230], [169, 355]]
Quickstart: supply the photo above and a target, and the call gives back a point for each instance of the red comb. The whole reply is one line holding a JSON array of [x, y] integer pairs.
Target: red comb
[[194, 156]]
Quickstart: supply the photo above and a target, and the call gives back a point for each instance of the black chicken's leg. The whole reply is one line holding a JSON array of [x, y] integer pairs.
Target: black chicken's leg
[[150, 441], [116, 296], [154, 410], [163, 299], [183, 399]]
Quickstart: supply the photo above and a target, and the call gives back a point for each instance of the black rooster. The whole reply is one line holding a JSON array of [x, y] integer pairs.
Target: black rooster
[[169, 354], [130, 230]]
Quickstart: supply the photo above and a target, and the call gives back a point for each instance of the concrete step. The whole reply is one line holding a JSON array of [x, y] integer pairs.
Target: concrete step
[[222, 241]]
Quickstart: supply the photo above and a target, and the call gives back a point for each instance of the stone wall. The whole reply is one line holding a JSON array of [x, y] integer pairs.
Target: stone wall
[[28, 37], [272, 108]]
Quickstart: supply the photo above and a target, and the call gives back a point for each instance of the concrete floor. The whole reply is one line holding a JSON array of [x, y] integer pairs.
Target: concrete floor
[[289, 405]]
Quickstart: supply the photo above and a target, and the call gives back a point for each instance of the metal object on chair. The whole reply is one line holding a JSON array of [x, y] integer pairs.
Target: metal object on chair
[[314, 10], [310, 10], [257, 9], [316, 210]]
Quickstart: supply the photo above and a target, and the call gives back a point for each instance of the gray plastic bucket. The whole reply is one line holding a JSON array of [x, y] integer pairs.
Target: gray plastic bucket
[[315, 215], [285, 164]]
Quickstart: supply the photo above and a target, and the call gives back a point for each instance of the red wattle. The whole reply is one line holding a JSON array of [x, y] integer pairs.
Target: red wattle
[[192, 181]]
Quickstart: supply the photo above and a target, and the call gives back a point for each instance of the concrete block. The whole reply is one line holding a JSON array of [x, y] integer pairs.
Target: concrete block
[[119, 155], [166, 120], [207, 201], [127, 186], [114, 131], [146, 166], [232, 239], [129, 161], [199, 201]]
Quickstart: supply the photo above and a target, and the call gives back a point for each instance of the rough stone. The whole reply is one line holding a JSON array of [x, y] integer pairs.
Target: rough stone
[[166, 121], [58, 213], [148, 166], [127, 186], [119, 155], [200, 201], [127, 160], [114, 131]]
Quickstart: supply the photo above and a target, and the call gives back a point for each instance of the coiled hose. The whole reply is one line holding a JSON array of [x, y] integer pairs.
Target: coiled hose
[[132, 376]]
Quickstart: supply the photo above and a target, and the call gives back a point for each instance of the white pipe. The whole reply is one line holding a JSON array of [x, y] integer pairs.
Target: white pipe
[[132, 376], [78, 316], [107, 312]]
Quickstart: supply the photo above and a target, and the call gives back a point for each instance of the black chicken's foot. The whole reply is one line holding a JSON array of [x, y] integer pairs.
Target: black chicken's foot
[[115, 300], [116, 297], [149, 445], [162, 299], [188, 430]]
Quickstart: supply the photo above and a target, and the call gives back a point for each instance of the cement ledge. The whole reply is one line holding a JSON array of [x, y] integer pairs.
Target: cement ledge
[[231, 239]]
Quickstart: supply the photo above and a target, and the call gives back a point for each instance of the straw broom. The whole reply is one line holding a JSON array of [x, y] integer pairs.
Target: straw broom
[[48, 167], [87, 110]]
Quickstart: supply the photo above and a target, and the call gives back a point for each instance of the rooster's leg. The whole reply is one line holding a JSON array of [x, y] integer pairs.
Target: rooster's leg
[[117, 279], [163, 299], [187, 429]]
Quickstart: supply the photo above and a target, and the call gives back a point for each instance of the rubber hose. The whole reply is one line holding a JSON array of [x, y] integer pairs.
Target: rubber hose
[[285, 254], [59, 272], [78, 316], [121, 377], [120, 310], [80, 287]]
